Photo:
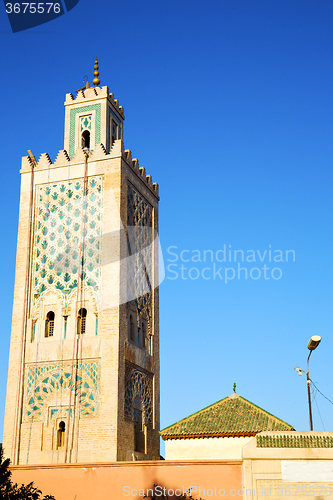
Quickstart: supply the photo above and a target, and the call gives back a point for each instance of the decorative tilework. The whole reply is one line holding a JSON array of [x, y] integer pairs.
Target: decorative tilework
[[54, 412], [138, 383], [73, 113], [46, 380], [61, 218], [85, 123], [139, 239], [294, 441]]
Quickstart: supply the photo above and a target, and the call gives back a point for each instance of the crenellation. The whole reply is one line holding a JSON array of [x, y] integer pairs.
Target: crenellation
[[69, 97], [90, 93], [117, 148], [27, 163], [155, 187], [80, 155], [62, 158], [142, 171], [115, 103], [44, 161], [128, 154], [102, 91], [99, 152]]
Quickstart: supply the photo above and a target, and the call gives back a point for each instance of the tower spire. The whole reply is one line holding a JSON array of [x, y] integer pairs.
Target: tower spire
[[96, 80]]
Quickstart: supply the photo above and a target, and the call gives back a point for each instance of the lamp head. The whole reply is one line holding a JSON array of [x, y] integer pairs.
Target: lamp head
[[314, 342], [297, 369]]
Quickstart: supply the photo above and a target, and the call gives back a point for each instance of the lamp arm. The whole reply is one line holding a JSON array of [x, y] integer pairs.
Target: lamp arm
[[309, 395], [307, 363]]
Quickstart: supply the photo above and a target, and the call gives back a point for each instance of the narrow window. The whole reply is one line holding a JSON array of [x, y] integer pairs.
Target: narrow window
[[139, 441], [131, 328], [85, 139], [150, 345], [114, 132], [81, 321], [61, 435], [49, 324], [143, 335], [33, 333], [65, 326]]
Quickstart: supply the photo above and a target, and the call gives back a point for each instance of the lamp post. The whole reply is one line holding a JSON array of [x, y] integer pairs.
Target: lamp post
[[312, 345]]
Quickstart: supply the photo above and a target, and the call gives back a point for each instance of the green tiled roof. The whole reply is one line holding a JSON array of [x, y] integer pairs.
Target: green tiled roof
[[232, 416]]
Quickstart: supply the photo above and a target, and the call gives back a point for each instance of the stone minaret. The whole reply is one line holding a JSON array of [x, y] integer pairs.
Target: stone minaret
[[83, 379]]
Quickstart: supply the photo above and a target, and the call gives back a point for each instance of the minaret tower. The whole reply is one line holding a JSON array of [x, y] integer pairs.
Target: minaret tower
[[83, 379]]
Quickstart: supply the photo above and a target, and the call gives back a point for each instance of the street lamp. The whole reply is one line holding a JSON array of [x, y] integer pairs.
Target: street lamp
[[312, 345]]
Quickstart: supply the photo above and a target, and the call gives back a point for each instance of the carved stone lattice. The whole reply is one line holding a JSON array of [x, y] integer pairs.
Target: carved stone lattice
[[140, 262], [62, 216], [138, 383], [50, 383]]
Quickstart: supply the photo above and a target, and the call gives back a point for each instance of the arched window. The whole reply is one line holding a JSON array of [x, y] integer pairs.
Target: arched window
[[132, 336], [81, 320], [85, 139], [49, 324], [61, 435]]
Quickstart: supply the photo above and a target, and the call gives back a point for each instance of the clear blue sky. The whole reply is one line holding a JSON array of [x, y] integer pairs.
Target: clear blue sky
[[228, 105]]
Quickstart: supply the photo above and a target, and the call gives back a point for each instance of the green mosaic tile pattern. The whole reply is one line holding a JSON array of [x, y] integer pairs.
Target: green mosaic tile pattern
[[85, 123], [139, 384], [299, 441], [84, 109], [228, 417], [52, 380], [139, 238], [61, 218]]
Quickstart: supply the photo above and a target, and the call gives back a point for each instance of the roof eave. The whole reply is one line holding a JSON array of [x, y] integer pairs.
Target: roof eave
[[166, 437]]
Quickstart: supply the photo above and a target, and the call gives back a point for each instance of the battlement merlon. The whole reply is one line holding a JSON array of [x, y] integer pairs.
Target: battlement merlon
[[99, 154], [93, 94]]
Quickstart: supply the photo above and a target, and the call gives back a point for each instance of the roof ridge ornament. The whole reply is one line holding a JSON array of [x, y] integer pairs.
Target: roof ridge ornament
[[96, 80]]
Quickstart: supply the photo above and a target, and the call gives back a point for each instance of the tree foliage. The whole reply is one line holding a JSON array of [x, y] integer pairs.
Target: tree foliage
[[12, 491]]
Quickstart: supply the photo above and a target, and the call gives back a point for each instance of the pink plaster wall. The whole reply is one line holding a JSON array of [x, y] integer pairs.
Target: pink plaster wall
[[124, 480]]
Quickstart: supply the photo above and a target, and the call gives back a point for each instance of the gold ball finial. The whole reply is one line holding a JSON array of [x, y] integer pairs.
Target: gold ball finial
[[96, 80]]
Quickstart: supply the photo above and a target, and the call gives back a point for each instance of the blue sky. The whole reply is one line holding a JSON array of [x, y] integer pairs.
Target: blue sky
[[228, 106]]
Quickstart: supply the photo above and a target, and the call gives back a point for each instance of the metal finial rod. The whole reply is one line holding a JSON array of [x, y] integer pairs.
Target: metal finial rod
[[96, 80]]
